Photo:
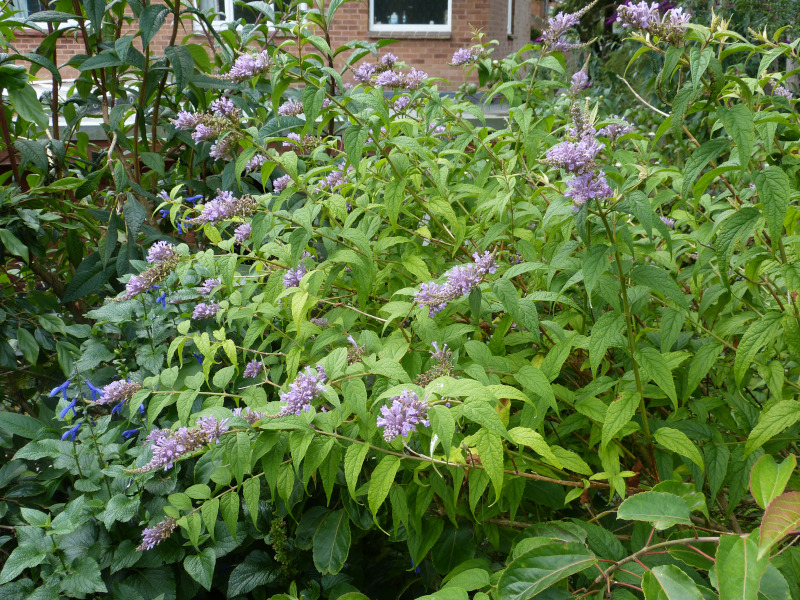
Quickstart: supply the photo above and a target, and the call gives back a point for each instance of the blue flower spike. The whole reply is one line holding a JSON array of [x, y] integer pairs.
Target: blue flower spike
[[71, 433], [95, 391], [69, 407], [129, 433], [162, 299], [62, 389]]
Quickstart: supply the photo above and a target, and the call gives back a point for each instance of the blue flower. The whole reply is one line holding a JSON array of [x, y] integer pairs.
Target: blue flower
[[416, 568], [162, 299], [129, 433], [62, 389], [198, 357], [70, 407], [95, 391], [141, 409], [71, 433], [117, 408], [194, 199], [164, 213]]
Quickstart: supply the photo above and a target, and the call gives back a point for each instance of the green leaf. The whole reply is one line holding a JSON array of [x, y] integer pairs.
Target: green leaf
[[355, 136], [707, 152], [135, 216], [490, 451], [455, 545], [469, 580], [88, 278], [659, 280], [201, 567], [768, 479], [738, 227], [738, 570], [541, 567], [680, 104], [698, 62], [773, 188], [655, 367], [661, 509], [393, 195], [251, 491], [27, 106], [443, 425], [95, 9], [778, 417], [256, 570], [758, 335], [738, 121], [618, 415], [120, 508], [209, 512], [478, 410], [229, 507], [674, 583], [13, 245], [381, 481], [239, 455], [353, 461], [605, 334], [701, 364], [32, 152], [104, 60], [27, 345], [182, 63], [781, 517], [83, 578], [679, 442], [332, 543], [22, 558], [19, 424], [150, 21], [534, 440]]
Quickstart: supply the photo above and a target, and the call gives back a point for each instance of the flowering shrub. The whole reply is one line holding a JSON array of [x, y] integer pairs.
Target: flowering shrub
[[555, 359]]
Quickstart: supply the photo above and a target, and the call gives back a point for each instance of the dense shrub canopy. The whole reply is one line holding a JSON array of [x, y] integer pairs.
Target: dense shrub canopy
[[318, 333]]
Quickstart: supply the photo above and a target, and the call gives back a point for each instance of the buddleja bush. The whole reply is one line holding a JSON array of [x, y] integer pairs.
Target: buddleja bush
[[553, 359]]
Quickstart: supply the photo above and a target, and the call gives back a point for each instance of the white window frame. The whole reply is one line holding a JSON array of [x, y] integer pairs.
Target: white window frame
[[32, 18], [410, 28], [228, 16], [510, 28]]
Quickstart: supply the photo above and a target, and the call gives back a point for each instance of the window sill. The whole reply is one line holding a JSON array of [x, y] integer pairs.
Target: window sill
[[410, 35]]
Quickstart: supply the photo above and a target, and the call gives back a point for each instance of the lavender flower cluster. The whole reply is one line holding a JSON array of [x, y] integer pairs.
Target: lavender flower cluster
[[577, 156], [384, 74], [306, 143], [169, 446], [248, 66], [290, 108], [303, 391], [223, 120], [163, 259], [208, 286], [783, 91], [292, 277], [334, 179], [647, 17], [281, 183], [465, 56], [251, 416], [242, 232], [461, 280], [253, 369], [205, 310], [226, 206], [444, 357], [152, 536], [115, 392], [554, 37], [404, 414], [614, 131]]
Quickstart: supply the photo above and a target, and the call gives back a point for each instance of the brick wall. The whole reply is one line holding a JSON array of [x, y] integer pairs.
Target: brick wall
[[430, 52]]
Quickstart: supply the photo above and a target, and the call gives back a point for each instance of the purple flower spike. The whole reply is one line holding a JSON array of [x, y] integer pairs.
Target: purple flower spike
[[208, 286], [205, 310], [293, 276], [303, 391], [404, 414], [253, 369], [242, 233], [152, 536]]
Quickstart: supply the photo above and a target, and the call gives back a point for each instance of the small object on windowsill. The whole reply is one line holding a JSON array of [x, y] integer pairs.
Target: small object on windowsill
[[393, 19], [404, 17]]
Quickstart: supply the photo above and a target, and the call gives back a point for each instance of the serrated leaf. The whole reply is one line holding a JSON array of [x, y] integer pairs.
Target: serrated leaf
[[655, 367], [251, 491], [768, 479], [541, 567], [758, 335], [618, 415], [774, 189], [781, 517], [661, 509], [679, 442], [381, 481], [332, 543], [201, 567], [353, 461], [490, 451]]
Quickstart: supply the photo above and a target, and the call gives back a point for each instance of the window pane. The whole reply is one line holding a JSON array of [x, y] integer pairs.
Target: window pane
[[415, 12], [244, 12], [217, 6]]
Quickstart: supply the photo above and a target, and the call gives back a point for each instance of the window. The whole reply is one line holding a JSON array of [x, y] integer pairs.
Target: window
[[510, 17], [409, 15], [26, 8], [228, 11]]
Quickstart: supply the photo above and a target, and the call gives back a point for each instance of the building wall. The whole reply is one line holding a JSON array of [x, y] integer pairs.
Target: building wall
[[428, 51]]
